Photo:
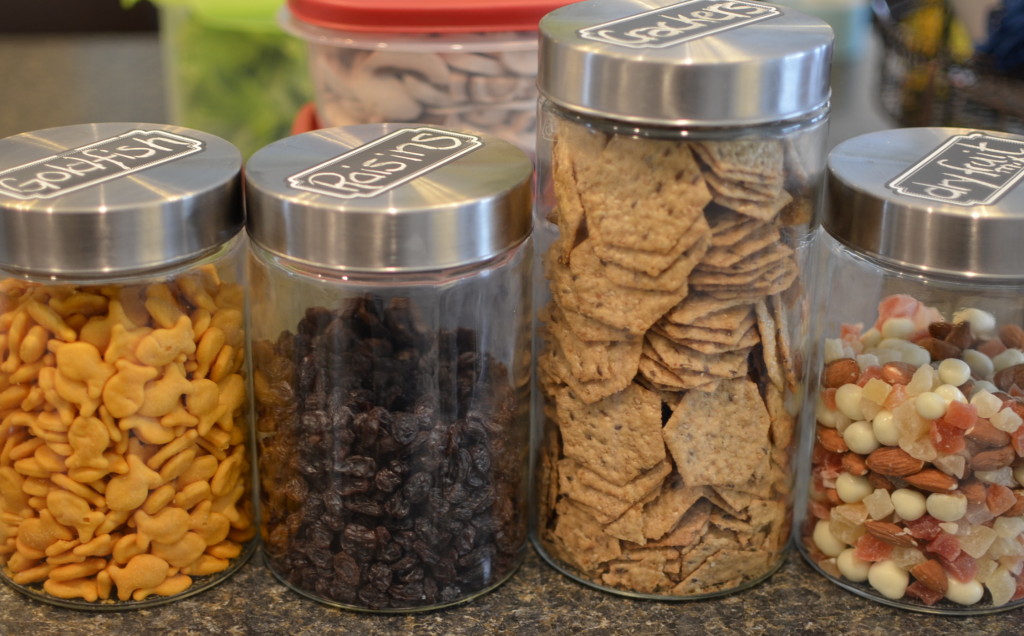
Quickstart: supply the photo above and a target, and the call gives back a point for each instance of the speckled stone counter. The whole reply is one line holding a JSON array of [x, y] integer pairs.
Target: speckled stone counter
[[537, 600]]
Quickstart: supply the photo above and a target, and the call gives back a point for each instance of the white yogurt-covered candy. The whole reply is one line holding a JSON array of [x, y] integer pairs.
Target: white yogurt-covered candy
[[852, 488], [852, 567], [860, 438], [1007, 359], [885, 429], [848, 401], [825, 541], [930, 405], [889, 579], [983, 324], [954, 371], [980, 364], [946, 507], [909, 504], [964, 593]]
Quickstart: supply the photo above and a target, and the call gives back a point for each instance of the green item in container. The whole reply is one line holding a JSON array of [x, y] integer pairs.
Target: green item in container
[[230, 70]]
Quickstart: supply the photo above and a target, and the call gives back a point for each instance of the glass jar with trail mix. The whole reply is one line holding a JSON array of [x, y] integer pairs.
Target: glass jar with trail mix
[[124, 439], [680, 163], [391, 336], [916, 489]]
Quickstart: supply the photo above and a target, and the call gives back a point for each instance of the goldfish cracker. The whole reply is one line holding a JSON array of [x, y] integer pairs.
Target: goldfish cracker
[[123, 442], [143, 571]]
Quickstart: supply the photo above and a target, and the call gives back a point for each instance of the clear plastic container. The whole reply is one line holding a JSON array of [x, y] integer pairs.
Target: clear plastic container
[[125, 459], [231, 70], [916, 482], [679, 180], [391, 287], [453, 63]]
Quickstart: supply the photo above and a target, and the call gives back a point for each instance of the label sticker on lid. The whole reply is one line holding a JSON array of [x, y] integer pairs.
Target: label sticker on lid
[[95, 163], [973, 169], [678, 23], [386, 163]]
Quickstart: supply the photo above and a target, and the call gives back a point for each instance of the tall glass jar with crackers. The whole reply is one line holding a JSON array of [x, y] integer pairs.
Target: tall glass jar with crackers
[[916, 442], [124, 439], [680, 160]]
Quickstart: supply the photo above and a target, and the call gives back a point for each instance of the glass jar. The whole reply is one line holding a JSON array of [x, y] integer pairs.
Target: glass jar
[[453, 63], [124, 437], [679, 177], [916, 482], [391, 287]]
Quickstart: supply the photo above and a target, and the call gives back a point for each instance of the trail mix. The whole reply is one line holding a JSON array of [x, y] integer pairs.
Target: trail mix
[[917, 478], [392, 458]]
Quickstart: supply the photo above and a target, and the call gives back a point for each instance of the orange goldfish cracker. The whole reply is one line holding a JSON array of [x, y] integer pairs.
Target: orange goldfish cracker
[[168, 450], [167, 526], [158, 499], [163, 346], [194, 493], [143, 571], [60, 547], [182, 552], [129, 491], [205, 565], [86, 568], [212, 526], [177, 464], [101, 545], [171, 585], [202, 469], [73, 511], [31, 575], [126, 548], [94, 498]]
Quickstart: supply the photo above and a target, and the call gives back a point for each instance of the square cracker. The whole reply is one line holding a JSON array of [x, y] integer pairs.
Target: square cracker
[[594, 360], [672, 279], [677, 357], [645, 575], [641, 193], [653, 263], [554, 366], [763, 210], [719, 437], [766, 327], [584, 287], [667, 509], [607, 501], [727, 566], [743, 159], [578, 538], [696, 305], [665, 378], [618, 437]]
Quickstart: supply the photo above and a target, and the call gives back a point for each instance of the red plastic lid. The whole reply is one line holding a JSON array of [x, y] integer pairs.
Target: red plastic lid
[[424, 16]]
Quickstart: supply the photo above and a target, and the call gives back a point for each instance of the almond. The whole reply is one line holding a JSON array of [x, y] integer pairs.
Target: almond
[[960, 335], [932, 480], [879, 481], [893, 461], [855, 464], [890, 533], [1009, 377], [831, 439], [993, 459], [985, 434], [898, 372], [840, 372], [1012, 336], [940, 349], [931, 574]]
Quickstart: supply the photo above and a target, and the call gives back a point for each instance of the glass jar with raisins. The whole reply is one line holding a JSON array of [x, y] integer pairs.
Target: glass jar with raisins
[[680, 163], [391, 333], [125, 454], [914, 410]]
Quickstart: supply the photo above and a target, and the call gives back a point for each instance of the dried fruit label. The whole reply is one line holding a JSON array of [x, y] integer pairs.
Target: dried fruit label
[[973, 169], [386, 163], [95, 163], [678, 23]]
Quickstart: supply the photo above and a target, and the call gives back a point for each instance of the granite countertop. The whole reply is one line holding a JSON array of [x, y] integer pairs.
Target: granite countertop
[[536, 600], [58, 80]]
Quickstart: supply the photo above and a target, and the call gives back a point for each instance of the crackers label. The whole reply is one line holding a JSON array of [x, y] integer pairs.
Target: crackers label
[[974, 169], [385, 164], [95, 163], [678, 23]]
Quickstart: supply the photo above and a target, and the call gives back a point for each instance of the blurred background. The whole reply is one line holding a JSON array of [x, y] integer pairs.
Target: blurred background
[[227, 67]]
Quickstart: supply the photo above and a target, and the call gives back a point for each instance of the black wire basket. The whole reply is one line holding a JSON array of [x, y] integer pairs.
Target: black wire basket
[[935, 89]]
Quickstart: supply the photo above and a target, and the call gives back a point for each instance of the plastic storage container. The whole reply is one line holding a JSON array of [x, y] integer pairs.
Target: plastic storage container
[[916, 476], [679, 171], [124, 437], [391, 288], [453, 63], [231, 70]]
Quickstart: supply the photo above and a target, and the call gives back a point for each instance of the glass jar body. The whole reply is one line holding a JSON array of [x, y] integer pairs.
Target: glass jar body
[[670, 347], [392, 425], [126, 454], [914, 501]]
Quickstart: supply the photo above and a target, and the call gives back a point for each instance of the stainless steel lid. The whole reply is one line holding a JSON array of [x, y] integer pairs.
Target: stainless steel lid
[[685, 63], [388, 197], [114, 198], [942, 200]]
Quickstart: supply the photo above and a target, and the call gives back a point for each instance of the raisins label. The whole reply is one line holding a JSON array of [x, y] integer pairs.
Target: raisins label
[[386, 163], [678, 23], [967, 170], [95, 163]]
